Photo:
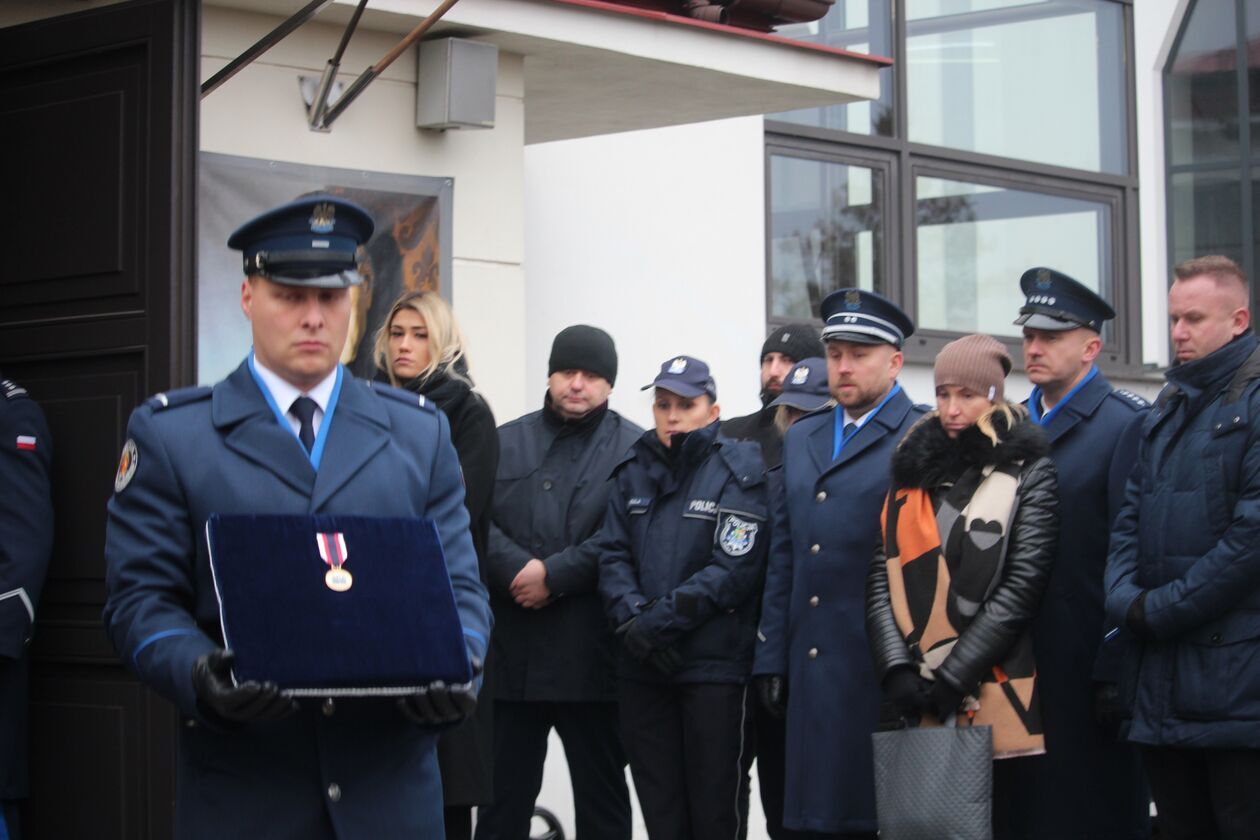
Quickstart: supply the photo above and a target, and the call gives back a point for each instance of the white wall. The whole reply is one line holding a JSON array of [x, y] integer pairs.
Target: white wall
[[1155, 24], [260, 114], [658, 238]]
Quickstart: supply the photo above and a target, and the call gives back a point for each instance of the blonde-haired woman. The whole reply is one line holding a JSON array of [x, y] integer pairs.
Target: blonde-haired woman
[[970, 528], [420, 348]]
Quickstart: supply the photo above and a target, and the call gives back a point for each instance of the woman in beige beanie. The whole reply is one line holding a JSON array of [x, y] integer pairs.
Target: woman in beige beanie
[[971, 524]]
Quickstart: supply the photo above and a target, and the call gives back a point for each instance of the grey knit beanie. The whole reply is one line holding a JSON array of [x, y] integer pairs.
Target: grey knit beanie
[[976, 362]]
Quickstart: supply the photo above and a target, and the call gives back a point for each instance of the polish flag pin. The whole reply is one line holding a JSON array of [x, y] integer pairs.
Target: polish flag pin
[[25, 442]]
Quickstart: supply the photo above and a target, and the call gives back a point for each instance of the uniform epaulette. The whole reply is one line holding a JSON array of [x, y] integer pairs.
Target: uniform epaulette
[[743, 457], [180, 396], [1130, 399], [400, 394], [11, 389]]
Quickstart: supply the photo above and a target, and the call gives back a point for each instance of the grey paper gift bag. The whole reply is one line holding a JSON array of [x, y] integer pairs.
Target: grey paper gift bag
[[934, 783]]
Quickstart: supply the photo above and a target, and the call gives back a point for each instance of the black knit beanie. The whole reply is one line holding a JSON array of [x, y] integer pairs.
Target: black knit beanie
[[796, 341], [584, 348]]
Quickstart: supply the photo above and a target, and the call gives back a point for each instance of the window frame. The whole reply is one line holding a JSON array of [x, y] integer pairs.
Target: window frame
[[906, 160]]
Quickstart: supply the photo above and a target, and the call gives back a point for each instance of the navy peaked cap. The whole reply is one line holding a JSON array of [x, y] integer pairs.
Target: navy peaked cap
[[864, 318], [805, 386], [1054, 301], [685, 376], [313, 241]]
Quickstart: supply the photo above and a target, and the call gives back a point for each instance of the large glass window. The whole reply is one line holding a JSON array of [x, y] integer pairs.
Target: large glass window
[[1212, 148], [1001, 141], [973, 241], [826, 232], [863, 26], [1039, 81]]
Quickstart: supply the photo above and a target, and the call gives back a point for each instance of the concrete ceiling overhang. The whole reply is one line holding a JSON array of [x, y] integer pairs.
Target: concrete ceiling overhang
[[594, 67]]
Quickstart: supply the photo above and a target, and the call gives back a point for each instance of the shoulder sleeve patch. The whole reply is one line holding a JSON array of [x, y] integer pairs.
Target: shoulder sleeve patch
[[400, 394], [1134, 401], [181, 396], [11, 389]]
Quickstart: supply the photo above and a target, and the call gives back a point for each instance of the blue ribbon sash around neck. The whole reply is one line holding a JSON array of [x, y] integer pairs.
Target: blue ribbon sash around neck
[[841, 438], [317, 451]]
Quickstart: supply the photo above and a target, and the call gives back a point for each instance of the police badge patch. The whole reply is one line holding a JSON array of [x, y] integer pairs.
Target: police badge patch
[[678, 365], [127, 464], [800, 376], [323, 218], [737, 536]]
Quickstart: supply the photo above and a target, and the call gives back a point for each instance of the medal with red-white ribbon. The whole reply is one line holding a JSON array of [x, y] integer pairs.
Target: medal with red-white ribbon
[[332, 547]]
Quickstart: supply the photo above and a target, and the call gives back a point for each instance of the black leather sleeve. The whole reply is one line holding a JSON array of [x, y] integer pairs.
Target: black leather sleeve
[[888, 646], [1014, 602]]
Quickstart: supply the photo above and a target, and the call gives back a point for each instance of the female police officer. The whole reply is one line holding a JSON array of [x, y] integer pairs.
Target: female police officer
[[680, 572]]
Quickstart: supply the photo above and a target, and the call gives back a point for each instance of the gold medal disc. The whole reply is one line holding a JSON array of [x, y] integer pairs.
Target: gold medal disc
[[338, 580]]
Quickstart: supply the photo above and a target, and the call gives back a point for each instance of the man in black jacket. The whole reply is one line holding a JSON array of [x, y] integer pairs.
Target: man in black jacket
[[554, 653], [782, 349]]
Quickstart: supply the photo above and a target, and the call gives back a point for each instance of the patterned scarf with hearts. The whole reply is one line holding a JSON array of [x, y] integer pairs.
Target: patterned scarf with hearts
[[937, 586]]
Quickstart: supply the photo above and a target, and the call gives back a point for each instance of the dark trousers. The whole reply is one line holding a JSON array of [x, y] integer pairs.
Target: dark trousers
[[1204, 794], [771, 765], [685, 744], [10, 820], [592, 746]]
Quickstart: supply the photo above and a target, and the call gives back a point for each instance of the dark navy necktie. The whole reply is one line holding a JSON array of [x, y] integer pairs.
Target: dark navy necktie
[[303, 409], [849, 429]]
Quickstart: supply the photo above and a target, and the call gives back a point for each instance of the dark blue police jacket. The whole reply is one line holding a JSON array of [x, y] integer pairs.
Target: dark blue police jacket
[[26, 537], [683, 548], [1188, 536], [813, 622], [1093, 442], [349, 768]]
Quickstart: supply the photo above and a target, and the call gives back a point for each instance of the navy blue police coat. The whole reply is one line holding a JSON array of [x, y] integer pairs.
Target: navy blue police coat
[[26, 537], [683, 548], [350, 768], [1093, 443], [813, 622]]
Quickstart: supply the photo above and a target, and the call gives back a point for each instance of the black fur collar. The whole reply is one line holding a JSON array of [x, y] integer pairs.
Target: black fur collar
[[928, 457]]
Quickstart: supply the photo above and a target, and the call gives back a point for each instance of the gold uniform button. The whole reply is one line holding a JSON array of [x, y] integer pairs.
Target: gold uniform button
[[329, 707], [821, 497], [813, 601], [815, 548], [813, 653]]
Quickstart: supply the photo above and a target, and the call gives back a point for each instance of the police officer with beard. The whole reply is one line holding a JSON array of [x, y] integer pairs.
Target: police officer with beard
[[812, 659]]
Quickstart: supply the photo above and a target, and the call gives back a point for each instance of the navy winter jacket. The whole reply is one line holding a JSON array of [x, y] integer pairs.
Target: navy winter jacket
[[684, 550], [1188, 540]]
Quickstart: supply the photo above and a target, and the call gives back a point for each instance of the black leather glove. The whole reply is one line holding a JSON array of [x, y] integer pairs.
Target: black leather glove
[[1135, 618], [1110, 710], [666, 660], [907, 692], [635, 641], [943, 699], [772, 693], [441, 705], [249, 701]]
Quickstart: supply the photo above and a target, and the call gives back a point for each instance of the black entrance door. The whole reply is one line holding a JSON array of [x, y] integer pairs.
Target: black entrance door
[[98, 140]]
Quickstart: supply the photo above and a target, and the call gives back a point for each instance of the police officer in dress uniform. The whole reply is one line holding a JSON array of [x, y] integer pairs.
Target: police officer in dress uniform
[[1089, 783], [812, 657], [289, 432], [26, 537]]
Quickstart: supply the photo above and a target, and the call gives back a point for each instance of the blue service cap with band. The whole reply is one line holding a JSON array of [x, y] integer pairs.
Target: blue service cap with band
[[1054, 301], [805, 386], [864, 317], [685, 376], [313, 242]]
